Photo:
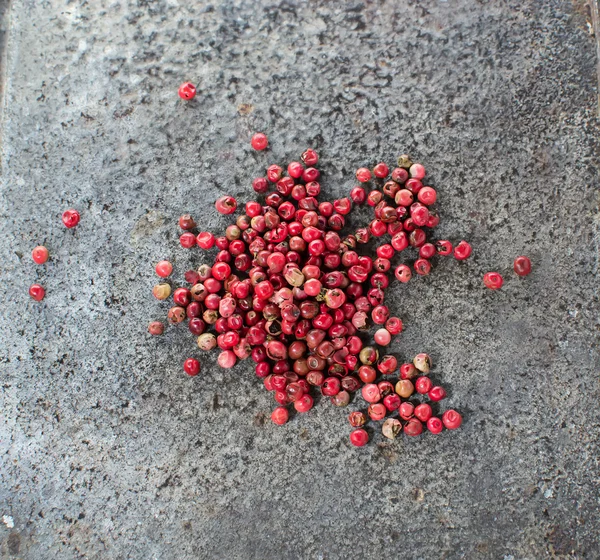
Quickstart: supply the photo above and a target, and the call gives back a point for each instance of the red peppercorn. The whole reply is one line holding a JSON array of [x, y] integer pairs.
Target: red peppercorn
[[40, 254], [387, 365], [417, 171], [427, 196], [423, 412], [359, 437], [156, 328], [394, 325], [377, 411], [227, 359], [304, 403], [363, 175], [493, 280], [191, 366], [187, 91], [443, 247], [226, 205], [186, 222], [452, 419], [259, 141], [164, 269], [371, 393], [310, 157], [37, 292], [408, 371], [187, 240], [260, 185], [427, 250], [331, 386], [70, 218], [434, 425], [522, 266], [436, 394], [280, 415], [423, 385], [422, 267], [382, 337], [392, 402], [462, 251], [413, 427], [381, 171], [358, 195]]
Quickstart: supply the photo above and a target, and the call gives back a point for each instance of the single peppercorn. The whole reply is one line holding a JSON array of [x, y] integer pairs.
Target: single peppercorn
[[363, 175], [452, 419], [226, 205], [522, 266], [70, 218], [187, 240], [280, 415], [357, 419], [434, 425], [413, 427], [436, 394], [164, 269], [259, 141], [156, 328], [37, 292], [462, 251], [359, 437], [187, 91], [493, 280], [192, 367], [40, 254], [186, 222]]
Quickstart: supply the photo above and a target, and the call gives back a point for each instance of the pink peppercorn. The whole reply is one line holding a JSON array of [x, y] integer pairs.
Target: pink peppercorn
[[434, 425], [259, 141], [359, 437], [452, 419], [187, 91], [280, 415]]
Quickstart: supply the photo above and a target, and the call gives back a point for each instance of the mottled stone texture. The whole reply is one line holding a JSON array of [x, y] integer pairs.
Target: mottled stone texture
[[108, 451]]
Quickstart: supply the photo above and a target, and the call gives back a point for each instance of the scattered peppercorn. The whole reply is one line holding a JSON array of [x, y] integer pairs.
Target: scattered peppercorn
[[40, 254], [187, 91]]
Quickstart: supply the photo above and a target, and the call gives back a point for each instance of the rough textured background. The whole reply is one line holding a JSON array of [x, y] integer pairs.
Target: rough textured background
[[108, 451]]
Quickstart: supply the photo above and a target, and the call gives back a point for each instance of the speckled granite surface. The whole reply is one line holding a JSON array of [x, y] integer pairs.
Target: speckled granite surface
[[108, 451]]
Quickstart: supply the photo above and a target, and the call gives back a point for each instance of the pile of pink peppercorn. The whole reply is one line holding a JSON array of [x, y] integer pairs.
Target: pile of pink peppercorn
[[289, 291]]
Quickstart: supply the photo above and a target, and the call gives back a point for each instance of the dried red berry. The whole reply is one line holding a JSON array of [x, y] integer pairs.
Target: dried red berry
[[37, 292], [226, 205], [191, 366], [70, 218], [493, 280], [462, 251], [359, 437], [259, 141], [280, 415], [40, 254], [187, 91], [452, 419], [522, 266]]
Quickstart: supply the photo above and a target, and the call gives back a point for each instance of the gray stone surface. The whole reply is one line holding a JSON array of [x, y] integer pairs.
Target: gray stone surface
[[108, 451]]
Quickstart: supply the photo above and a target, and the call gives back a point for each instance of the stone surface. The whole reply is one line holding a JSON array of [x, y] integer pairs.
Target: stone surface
[[109, 451]]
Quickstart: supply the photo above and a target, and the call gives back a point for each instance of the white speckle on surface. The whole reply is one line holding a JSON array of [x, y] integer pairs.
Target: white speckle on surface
[[549, 493], [8, 521]]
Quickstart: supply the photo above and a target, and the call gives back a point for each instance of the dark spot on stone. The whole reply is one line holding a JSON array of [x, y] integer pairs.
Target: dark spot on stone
[[259, 419], [187, 525], [14, 543]]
